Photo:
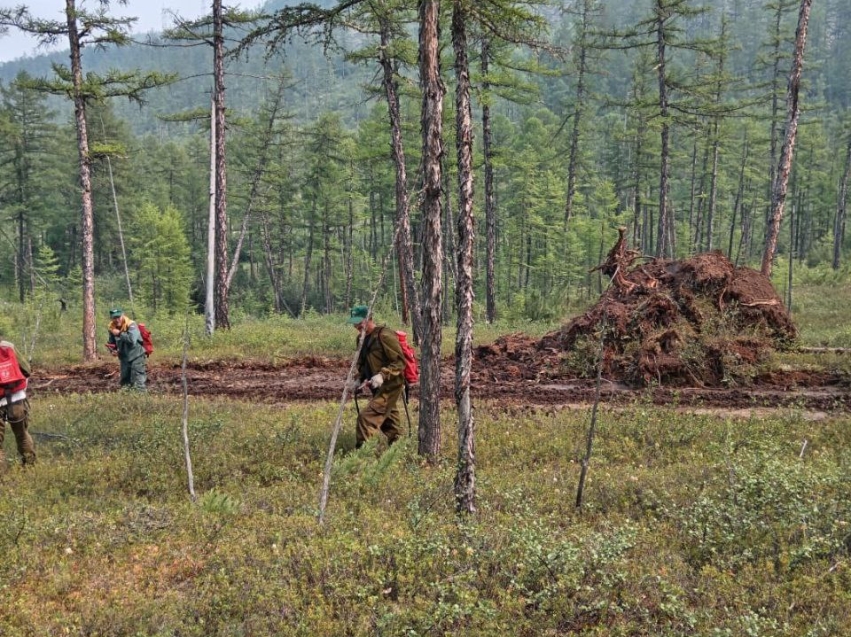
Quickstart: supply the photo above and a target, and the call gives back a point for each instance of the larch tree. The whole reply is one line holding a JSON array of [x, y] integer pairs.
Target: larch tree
[[588, 13], [465, 478], [27, 141], [432, 282], [841, 209], [209, 31], [664, 33], [390, 82], [84, 28]]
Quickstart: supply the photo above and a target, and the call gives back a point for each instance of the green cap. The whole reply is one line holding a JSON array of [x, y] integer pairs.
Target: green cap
[[358, 314], [115, 312]]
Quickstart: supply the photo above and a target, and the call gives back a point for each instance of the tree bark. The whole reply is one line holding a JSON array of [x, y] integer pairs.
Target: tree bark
[[841, 208], [404, 243], [222, 288], [465, 477], [271, 265], [778, 195], [307, 257], [490, 207], [432, 132], [87, 213], [775, 108], [210, 288], [577, 116], [349, 237], [20, 263], [327, 269], [663, 239], [740, 193], [713, 188]]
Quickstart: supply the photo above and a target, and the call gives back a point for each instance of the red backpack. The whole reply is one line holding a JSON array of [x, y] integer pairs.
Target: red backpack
[[12, 379], [412, 368], [147, 341]]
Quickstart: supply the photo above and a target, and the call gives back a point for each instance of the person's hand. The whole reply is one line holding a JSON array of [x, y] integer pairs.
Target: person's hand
[[376, 381], [115, 331]]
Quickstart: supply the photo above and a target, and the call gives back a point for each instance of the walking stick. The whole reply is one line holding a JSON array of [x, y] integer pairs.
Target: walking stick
[[407, 413]]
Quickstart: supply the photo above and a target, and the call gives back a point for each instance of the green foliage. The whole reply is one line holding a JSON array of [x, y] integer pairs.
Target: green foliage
[[161, 259], [692, 525]]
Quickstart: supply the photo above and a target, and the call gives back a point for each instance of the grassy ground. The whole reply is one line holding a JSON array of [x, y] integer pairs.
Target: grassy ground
[[691, 526]]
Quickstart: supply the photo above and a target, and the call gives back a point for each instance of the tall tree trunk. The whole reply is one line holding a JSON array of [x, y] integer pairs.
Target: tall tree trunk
[[266, 139], [490, 208], [701, 202], [449, 276], [775, 108], [307, 257], [740, 193], [87, 219], [716, 131], [271, 265], [404, 242], [222, 290], [663, 239], [432, 131], [778, 195], [692, 224], [577, 115], [465, 477], [210, 296], [326, 263], [639, 236], [349, 237], [713, 187], [20, 269], [841, 207]]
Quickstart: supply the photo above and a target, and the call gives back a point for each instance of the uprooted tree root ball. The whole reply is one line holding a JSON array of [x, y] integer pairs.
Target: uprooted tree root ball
[[692, 322]]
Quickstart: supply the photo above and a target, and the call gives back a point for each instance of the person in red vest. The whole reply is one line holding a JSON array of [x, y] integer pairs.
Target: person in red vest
[[14, 406]]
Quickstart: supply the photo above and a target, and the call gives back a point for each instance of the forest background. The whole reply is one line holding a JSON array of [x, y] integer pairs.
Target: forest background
[[692, 524], [311, 178]]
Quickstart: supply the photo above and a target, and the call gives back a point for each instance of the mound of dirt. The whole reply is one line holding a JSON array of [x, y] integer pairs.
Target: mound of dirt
[[694, 322]]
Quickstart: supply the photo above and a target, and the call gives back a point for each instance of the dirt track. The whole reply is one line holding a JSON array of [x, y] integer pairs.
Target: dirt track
[[320, 378]]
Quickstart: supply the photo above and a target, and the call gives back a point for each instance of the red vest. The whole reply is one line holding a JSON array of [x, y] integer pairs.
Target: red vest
[[12, 379]]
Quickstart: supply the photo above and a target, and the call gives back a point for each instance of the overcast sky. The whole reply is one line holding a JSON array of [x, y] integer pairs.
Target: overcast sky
[[151, 13]]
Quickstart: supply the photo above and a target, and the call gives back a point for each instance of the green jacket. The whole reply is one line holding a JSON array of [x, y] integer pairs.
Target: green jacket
[[382, 354], [128, 344]]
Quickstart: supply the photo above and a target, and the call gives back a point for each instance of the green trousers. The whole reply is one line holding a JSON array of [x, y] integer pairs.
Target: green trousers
[[134, 373], [17, 415]]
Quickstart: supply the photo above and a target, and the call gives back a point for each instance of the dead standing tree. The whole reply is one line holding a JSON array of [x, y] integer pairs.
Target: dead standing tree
[[778, 193]]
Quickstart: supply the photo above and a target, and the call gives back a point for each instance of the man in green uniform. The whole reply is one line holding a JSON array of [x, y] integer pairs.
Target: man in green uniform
[[14, 406], [125, 341], [380, 368]]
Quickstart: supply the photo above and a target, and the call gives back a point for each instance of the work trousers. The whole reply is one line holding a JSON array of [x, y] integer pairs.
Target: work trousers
[[17, 415], [381, 414], [134, 374]]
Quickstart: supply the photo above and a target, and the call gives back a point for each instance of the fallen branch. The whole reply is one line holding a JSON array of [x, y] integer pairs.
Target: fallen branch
[[823, 350]]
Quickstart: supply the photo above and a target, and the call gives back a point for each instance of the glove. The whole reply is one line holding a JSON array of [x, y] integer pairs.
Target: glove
[[376, 381]]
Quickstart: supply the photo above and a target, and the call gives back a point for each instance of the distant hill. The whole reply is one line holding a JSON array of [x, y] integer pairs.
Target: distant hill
[[319, 82]]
